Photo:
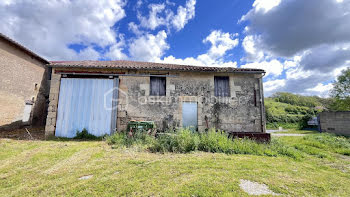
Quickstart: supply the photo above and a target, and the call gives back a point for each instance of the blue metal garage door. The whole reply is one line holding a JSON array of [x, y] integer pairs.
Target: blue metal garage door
[[85, 103]]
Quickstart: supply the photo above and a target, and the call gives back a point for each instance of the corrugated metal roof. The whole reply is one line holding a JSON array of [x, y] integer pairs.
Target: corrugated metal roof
[[24, 49], [122, 64]]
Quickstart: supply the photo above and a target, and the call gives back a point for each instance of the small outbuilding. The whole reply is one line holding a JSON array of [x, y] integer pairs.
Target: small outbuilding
[[335, 122]]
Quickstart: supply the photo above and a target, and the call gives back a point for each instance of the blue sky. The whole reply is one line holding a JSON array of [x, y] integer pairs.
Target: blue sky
[[303, 45]]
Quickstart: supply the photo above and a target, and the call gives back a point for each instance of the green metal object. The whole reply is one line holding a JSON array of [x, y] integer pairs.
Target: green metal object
[[141, 126]]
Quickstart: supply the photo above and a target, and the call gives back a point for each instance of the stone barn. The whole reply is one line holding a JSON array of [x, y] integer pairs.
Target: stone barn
[[103, 96], [23, 86]]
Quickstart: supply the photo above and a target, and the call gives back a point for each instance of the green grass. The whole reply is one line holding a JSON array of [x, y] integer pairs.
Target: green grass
[[52, 168], [321, 145], [296, 131], [276, 125]]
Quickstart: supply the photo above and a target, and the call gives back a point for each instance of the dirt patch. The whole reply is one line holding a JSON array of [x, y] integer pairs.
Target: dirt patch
[[253, 188], [22, 134], [86, 177], [344, 157]]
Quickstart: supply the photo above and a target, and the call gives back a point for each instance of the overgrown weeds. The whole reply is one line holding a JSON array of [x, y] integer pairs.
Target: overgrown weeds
[[184, 141], [122, 139]]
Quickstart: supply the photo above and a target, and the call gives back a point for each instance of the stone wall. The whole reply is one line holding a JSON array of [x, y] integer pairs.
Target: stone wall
[[335, 122], [241, 112], [236, 113], [53, 104], [22, 78]]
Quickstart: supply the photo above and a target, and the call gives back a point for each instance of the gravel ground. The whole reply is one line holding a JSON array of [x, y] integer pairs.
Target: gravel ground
[[273, 131], [287, 134], [253, 188]]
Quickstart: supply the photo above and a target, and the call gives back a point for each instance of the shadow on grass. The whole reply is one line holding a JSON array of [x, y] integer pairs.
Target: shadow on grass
[[38, 134], [83, 135], [63, 139]]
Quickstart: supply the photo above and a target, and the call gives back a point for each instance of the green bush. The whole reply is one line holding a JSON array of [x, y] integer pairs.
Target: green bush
[[85, 135], [288, 115]]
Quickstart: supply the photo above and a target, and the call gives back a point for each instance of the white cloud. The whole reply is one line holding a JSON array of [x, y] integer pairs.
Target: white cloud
[[303, 82], [292, 63], [252, 52], [284, 33], [149, 47], [272, 85], [265, 5], [87, 54], [184, 14], [340, 1], [49, 27], [162, 15], [310, 53], [220, 43], [153, 20], [116, 50], [272, 68], [298, 73], [326, 58], [321, 89], [139, 3], [201, 60], [134, 28]]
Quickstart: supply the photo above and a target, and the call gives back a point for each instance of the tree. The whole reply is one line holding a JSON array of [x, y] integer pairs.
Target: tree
[[341, 92]]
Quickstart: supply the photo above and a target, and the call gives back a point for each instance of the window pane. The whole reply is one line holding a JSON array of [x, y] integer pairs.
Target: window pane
[[157, 86], [161, 86], [222, 86]]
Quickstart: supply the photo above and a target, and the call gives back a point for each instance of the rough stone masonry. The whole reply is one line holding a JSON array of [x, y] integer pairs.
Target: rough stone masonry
[[241, 111]]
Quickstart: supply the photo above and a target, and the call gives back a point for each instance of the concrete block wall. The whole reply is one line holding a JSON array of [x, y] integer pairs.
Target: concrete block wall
[[335, 122]]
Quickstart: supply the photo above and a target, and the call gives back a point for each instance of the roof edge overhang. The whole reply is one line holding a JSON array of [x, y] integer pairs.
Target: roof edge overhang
[[158, 69], [184, 68], [24, 49]]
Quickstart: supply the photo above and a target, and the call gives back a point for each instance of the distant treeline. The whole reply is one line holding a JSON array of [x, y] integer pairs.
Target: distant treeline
[[289, 110]]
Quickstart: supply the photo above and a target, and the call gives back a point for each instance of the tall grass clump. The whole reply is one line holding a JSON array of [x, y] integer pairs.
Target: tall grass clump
[[185, 141], [122, 139]]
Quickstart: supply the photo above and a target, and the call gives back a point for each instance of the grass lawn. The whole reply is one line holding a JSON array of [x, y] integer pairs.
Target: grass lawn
[[51, 168], [296, 131]]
